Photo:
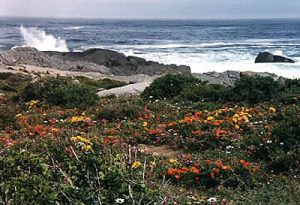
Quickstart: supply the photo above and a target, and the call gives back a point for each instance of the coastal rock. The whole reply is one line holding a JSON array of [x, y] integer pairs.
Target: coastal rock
[[128, 90], [120, 64], [267, 57], [31, 56], [226, 78]]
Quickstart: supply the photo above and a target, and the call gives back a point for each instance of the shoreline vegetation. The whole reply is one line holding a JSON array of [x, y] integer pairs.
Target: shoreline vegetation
[[181, 140]]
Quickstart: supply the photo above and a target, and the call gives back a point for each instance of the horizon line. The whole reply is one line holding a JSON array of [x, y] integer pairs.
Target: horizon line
[[146, 18]]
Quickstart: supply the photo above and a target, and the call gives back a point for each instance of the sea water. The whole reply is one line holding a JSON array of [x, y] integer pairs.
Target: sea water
[[204, 45]]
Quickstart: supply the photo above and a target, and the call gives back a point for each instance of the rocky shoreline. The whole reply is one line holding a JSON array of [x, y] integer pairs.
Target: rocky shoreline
[[101, 63]]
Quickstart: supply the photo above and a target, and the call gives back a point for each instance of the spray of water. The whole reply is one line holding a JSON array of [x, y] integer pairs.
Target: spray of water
[[39, 39]]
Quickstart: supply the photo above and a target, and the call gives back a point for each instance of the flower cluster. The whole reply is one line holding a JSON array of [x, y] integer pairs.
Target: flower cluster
[[82, 142]]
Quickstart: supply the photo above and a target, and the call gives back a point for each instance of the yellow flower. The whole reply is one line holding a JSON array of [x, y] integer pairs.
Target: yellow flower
[[172, 161], [136, 164], [272, 109], [145, 124], [81, 139], [237, 127], [88, 148], [79, 119], [210, 118], [19, 115], [245, 118]]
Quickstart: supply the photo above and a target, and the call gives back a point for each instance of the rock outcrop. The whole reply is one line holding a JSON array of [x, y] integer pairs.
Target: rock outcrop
[[267, 57], [94, 60], [228, 78], [120, 64], [31, 56]]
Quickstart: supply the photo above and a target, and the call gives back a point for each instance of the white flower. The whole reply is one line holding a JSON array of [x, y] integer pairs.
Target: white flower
[[269, 141], [212, 200], [120, 201], [281, 143]]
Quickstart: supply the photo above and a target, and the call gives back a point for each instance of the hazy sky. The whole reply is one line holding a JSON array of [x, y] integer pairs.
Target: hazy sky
[[177, 9]]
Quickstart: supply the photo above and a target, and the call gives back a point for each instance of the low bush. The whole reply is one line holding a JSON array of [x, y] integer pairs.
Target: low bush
[[280, 151], [254, 89], [169, 86], [105, 83], [61, 92], [200, 92], [4, 76], [119, 111]]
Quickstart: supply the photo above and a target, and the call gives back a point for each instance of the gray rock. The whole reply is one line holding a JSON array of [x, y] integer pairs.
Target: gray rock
[[226, 78], [31, 56], [267, 57], [128, 90]]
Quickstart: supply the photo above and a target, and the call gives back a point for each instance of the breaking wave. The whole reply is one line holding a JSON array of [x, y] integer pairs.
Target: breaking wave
[[39, 39]]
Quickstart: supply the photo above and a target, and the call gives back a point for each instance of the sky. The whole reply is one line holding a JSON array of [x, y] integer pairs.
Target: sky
[[152, 9]]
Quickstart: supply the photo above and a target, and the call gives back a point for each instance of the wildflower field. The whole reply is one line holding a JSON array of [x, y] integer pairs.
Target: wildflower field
[[198, 144]]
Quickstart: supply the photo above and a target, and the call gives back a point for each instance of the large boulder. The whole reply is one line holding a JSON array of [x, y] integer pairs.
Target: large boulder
[[266, 57]]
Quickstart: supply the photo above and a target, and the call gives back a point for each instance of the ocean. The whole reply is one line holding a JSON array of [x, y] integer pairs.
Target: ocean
[[204, 45]]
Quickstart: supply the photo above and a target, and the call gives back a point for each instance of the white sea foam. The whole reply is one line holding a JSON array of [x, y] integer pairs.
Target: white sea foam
[[74, 28], [211, 61], [39, 39], [207, 59]]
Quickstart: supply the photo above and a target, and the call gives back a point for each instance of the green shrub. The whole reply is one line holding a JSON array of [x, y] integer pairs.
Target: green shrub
[[4, 76], [61, 92], [254, 89], [7, 115], [44, 172], [200, 92], [119, 111], [169, 86], [281, 151], [291, 93], [105, 83]]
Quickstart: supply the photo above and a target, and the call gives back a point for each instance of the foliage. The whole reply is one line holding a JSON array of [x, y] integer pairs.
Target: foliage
[[254, 89], [119, 111], [60, 91], [4, 76], [169, 86], [204, 92], [105, 83], [281, 149]]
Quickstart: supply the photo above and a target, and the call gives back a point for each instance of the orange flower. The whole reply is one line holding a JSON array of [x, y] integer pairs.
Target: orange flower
[[217, 170], [194, 170], [177, 176], [219, 163], [171, 124], [212, 175], [171, 171], [226, 168], [208, 162], [196, 132], [184, 170], [242, 161], [220, 133]]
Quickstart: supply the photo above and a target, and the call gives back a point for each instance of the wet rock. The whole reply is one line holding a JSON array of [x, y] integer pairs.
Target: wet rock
[[267, 57]]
